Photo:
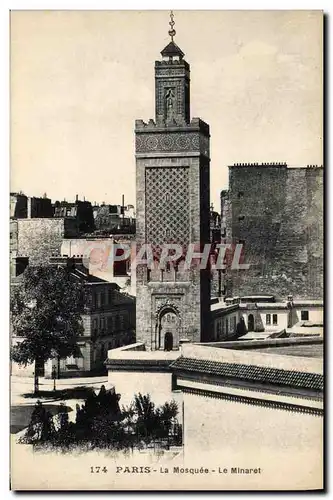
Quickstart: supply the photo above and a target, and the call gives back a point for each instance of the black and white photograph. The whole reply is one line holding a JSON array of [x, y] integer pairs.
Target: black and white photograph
[[166, 250]]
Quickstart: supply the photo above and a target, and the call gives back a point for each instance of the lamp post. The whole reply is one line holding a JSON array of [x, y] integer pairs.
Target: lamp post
[[54, 376], [54, 355]]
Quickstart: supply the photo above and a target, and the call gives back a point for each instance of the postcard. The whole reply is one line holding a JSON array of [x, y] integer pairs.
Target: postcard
[[166, 250]]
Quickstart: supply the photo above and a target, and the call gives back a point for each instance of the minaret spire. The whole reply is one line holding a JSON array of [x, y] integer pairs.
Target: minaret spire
[[172, 31]]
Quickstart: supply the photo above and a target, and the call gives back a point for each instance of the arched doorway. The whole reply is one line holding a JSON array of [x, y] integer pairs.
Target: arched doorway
[[168, 329], [250, 323], [168, 341]]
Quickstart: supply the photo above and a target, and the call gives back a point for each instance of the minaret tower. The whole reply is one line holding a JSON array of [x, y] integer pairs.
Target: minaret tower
[[172, 186]]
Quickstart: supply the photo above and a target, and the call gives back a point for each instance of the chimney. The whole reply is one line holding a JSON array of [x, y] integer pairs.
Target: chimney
[[76, 197], [29, 207]]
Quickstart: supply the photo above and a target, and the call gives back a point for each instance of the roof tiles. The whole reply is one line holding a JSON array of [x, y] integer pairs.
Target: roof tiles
[[251, 372]]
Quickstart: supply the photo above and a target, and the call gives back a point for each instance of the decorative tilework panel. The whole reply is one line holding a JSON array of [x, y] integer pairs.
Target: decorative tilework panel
[[170, 142], [167, 205]]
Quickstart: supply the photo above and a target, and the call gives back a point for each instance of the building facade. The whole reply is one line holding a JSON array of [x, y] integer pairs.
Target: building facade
[[80, 211], [108, 319], [97, 256], [108, 322], [258, 317], [114, 219], [172, 188], [22, 206], [276, 212]]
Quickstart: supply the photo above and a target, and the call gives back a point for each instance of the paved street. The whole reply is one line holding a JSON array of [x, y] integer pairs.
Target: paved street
[[23, 399]]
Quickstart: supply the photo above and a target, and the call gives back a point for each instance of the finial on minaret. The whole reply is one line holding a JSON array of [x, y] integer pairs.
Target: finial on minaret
[[172, 31]]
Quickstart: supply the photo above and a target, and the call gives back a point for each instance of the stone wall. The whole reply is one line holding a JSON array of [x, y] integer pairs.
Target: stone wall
[[224, 325], [277, 213], [39, 239]]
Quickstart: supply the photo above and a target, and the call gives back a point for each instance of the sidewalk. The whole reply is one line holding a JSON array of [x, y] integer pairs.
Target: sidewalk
[[22, 406], [25, 385]]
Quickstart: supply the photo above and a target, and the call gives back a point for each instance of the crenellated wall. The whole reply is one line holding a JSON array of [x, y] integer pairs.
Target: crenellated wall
[[276, 211]]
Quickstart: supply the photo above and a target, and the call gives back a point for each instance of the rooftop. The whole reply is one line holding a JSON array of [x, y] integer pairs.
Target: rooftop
[[262, 374], [274, 164], [306, 328], [257, 335], [266, 305], [247, 353], [91, 279], [223, 305], [275, 345], [257, 297], [308, 351], [308, 302]]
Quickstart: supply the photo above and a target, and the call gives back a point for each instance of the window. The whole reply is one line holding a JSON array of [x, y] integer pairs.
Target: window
[[103, 352], [109, 323], [70, 360], [98, 300], [275, 319], [235, 323], [268, 319], [167, 233], [226, 326], [120, 266], [102, 299], [304, 315], [102, 323], [240, 194], [241, 217], [218, 328], [110, 296]]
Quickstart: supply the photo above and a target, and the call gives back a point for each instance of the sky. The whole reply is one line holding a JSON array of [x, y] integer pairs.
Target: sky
[[79, 79]]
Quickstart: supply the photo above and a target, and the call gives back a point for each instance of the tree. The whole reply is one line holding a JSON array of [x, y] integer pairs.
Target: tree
[[145, 409], [168, 414], [97, 419], [101, 423], [41, 427], [153, 422], [46, 312]]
